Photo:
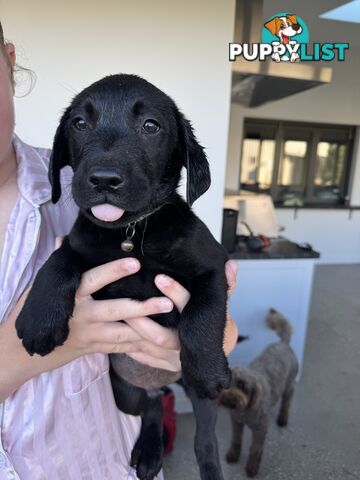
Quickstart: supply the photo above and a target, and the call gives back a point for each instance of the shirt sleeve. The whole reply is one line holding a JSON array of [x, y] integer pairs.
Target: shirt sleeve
[[64, 212], [66, 202]]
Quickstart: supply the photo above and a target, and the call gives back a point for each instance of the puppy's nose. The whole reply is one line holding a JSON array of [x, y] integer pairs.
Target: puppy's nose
[[228, 400], [231, 402], [105, 180], [296, 26]]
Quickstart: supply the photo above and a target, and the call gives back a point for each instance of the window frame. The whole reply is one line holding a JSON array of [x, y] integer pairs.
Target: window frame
[[317, 132]]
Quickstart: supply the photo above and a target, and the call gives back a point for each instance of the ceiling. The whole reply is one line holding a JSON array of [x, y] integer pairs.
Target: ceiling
[[321, 30], [350, 12]]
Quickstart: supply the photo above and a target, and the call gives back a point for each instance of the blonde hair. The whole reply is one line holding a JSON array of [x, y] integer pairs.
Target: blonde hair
[[13, 69]]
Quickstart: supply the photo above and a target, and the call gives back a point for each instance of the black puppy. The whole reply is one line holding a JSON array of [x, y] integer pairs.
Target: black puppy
[[126, 142]]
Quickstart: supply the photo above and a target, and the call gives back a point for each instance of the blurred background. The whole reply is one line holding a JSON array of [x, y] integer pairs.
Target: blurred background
[[283, 144]]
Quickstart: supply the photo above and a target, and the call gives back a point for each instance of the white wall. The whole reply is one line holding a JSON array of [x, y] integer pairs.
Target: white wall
[[182, 47], [338, 102], [333, 233]]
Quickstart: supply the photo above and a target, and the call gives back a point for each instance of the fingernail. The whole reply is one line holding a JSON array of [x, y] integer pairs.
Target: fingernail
[[164, 280], [165, 305], [130, 264]]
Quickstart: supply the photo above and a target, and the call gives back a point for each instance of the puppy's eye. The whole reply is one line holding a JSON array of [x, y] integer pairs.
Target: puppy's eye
[[80, 124], [151, 126], [282, 25]]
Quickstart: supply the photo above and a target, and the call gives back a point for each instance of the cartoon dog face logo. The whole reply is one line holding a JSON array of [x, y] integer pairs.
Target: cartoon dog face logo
[[285, 27]]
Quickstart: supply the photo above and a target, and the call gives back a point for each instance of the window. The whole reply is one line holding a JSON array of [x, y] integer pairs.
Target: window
[[296, 163], [258, 162]]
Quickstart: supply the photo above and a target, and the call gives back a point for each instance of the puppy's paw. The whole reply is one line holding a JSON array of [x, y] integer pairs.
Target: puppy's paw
[[233, 455], [252, 469], [211, 471], [147, 456], [282, 421], [42, 327], [207, 378]]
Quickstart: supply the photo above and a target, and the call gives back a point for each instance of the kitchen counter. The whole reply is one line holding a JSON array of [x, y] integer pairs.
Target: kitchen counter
[[280, 248], [278, 277]]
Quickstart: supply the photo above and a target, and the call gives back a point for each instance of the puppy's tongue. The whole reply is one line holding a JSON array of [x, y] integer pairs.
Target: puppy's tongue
[[107, 212]]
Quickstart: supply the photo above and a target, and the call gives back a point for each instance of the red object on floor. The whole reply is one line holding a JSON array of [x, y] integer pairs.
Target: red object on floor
[[168, 402]]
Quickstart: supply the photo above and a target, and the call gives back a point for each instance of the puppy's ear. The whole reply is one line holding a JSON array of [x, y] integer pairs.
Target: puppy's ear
[[193, 158], [292, 19], [255, 397], [272, 25], [59, 156]]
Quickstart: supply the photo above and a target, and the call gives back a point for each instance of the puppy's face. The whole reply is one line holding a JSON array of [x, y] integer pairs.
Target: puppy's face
[[288, 28], [284, 27], [126, 142], [244, 393]]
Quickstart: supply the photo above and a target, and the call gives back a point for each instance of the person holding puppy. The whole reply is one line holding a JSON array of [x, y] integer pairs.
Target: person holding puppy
[[58, 418]]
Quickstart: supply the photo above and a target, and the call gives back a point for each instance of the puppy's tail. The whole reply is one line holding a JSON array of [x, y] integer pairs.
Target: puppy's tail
[[276, 321]]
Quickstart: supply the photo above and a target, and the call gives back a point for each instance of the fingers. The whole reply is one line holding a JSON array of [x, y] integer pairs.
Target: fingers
[[160, 347], [230, 335], [170, 362], [180, 296], [124, 308], [160, 352], [96, 278], [114, 333], [122, 338], [231, 330], [173, 290], [123, 347], [147, 329], [230, 272]]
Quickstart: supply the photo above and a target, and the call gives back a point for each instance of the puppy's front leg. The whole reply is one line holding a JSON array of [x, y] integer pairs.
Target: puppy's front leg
[[256, 450], [234, 451], [43, 321], [201, 331]]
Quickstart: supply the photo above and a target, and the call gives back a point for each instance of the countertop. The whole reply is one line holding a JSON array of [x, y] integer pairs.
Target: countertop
[[280, 248]]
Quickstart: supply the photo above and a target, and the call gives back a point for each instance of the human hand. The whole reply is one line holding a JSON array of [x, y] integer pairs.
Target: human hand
[[95, 327], [231, 330], [163, 343], [95, 324], [159, 346]]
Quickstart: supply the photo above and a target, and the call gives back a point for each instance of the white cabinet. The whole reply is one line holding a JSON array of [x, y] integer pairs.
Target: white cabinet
[[285, 285]]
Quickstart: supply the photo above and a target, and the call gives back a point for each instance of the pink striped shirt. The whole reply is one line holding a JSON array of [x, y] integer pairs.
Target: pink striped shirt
[[63, 424]]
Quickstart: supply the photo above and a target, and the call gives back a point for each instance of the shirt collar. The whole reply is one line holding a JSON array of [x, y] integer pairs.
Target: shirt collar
[[33, 182]]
